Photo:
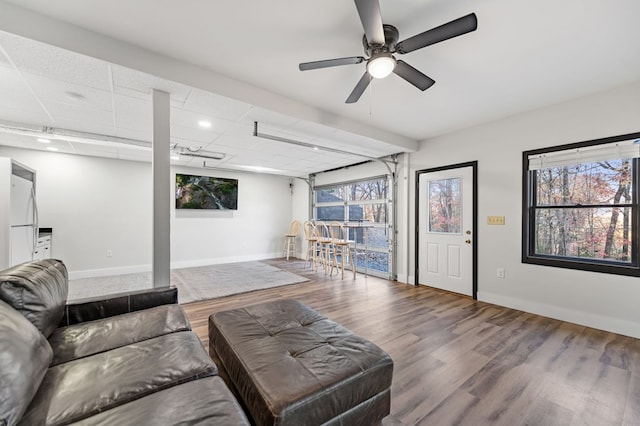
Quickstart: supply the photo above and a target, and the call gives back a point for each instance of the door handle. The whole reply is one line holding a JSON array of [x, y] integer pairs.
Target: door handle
[[468, 241]]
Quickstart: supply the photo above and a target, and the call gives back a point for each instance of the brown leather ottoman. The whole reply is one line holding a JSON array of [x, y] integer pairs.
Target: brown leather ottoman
[[289, 365]]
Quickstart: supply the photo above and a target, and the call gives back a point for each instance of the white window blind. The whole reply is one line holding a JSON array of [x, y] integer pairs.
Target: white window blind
[[589, 154]]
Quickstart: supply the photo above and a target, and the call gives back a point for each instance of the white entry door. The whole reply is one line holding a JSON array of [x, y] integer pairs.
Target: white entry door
[[445, 233]]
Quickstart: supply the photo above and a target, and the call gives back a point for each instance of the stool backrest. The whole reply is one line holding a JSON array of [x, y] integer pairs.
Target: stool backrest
[[322, 230], [310, 231], [294, 228], [337, 231]]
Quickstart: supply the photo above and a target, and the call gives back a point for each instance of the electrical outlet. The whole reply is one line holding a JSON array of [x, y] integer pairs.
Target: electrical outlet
[[495, 220], [500, 272], [109, 253]]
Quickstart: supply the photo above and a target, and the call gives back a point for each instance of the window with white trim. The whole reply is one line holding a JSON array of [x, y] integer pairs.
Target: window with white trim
[[580, 206]]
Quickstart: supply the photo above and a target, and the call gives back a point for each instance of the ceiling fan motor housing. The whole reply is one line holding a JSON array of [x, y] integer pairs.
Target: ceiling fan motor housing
[[391, 36]]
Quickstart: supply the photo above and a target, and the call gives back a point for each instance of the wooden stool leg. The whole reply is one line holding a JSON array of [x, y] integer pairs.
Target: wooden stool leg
[[320, 255], [334, 261], [351, 260]]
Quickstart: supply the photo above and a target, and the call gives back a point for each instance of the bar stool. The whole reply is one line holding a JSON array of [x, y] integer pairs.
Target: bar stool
[[289, 246], [324, 246], [311, 234], [341, 248]]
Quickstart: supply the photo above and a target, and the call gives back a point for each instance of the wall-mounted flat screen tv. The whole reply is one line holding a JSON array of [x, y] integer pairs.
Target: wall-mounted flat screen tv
[[206, 192]]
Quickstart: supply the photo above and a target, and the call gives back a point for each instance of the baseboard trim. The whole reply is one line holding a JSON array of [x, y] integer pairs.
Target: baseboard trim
[[405, 279], [601, 322], [134, 269]]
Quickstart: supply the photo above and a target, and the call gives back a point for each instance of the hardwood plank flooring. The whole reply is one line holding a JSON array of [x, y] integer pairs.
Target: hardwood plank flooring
[[462, 362]]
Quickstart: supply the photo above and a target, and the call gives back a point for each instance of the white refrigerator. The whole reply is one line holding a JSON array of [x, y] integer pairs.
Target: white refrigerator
[[24, 219], [18, 213]]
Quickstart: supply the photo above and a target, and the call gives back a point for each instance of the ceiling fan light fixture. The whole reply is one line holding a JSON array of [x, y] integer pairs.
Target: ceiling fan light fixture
[[381, 65]]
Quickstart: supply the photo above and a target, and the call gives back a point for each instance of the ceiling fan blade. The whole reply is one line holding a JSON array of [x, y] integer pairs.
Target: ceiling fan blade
[[444, 32], [413, 76], [359, 89], [369, 11], [305, 66]]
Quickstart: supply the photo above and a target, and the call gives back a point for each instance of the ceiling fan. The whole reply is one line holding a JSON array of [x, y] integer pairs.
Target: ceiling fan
[[381, 42]]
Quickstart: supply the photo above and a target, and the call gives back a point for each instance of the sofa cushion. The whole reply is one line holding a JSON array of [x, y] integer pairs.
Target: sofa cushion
[[89, 338], [205, 401], [24, 358], [38, 290], [78, 389]]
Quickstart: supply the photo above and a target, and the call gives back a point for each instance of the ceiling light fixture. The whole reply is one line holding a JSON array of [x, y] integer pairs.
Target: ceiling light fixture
[[204, 124], [381, 65], [52, 148], [175, 157], [43, 140]]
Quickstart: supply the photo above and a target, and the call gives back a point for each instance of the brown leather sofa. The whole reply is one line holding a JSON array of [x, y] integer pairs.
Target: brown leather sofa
[[129, 359]]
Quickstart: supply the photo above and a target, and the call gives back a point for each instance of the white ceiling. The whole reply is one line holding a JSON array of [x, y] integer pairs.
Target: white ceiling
[[524, 55]]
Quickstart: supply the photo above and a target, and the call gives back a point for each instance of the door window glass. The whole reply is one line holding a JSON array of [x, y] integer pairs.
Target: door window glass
[[445, 205]]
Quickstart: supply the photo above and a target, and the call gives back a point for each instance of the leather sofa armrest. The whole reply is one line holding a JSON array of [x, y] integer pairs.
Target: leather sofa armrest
[[94, 308]]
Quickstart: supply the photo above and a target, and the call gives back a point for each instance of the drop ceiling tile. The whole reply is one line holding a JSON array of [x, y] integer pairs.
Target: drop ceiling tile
[[190, 119], [138, 84], [228, 153], [80, 125], [15, 93], [310, 130], [217, 106], [35, 117], [133, 114], [139, 135], [269, 121], [37, 58], [82, 120], [95, 107], [192, 135], [244, 142], [240, 129]]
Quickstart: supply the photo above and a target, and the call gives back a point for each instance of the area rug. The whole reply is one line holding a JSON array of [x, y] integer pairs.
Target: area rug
[[199, 283]]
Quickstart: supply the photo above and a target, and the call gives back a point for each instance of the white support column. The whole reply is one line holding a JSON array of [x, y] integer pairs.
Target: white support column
[[161, 269]]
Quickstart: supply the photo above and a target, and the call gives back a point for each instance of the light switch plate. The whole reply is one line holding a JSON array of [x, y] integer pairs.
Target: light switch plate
[[495, 220]]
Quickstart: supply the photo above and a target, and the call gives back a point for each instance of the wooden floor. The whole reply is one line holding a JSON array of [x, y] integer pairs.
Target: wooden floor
[[458, 361]]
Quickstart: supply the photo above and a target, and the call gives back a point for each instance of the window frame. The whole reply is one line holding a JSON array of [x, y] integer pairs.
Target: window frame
[[529, 191]]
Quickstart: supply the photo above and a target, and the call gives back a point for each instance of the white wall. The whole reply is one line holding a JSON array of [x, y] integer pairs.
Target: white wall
[[600, 300], [96, 204], [254, 231]]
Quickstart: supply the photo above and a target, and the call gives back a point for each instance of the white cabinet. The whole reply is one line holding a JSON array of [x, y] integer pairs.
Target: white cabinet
[[43, 248]]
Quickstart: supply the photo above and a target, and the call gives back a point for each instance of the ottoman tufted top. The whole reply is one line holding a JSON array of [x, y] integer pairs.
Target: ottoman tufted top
[[292, 365]]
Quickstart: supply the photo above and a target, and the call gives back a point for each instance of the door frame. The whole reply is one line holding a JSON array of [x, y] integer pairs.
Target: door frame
[[474, 236]]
